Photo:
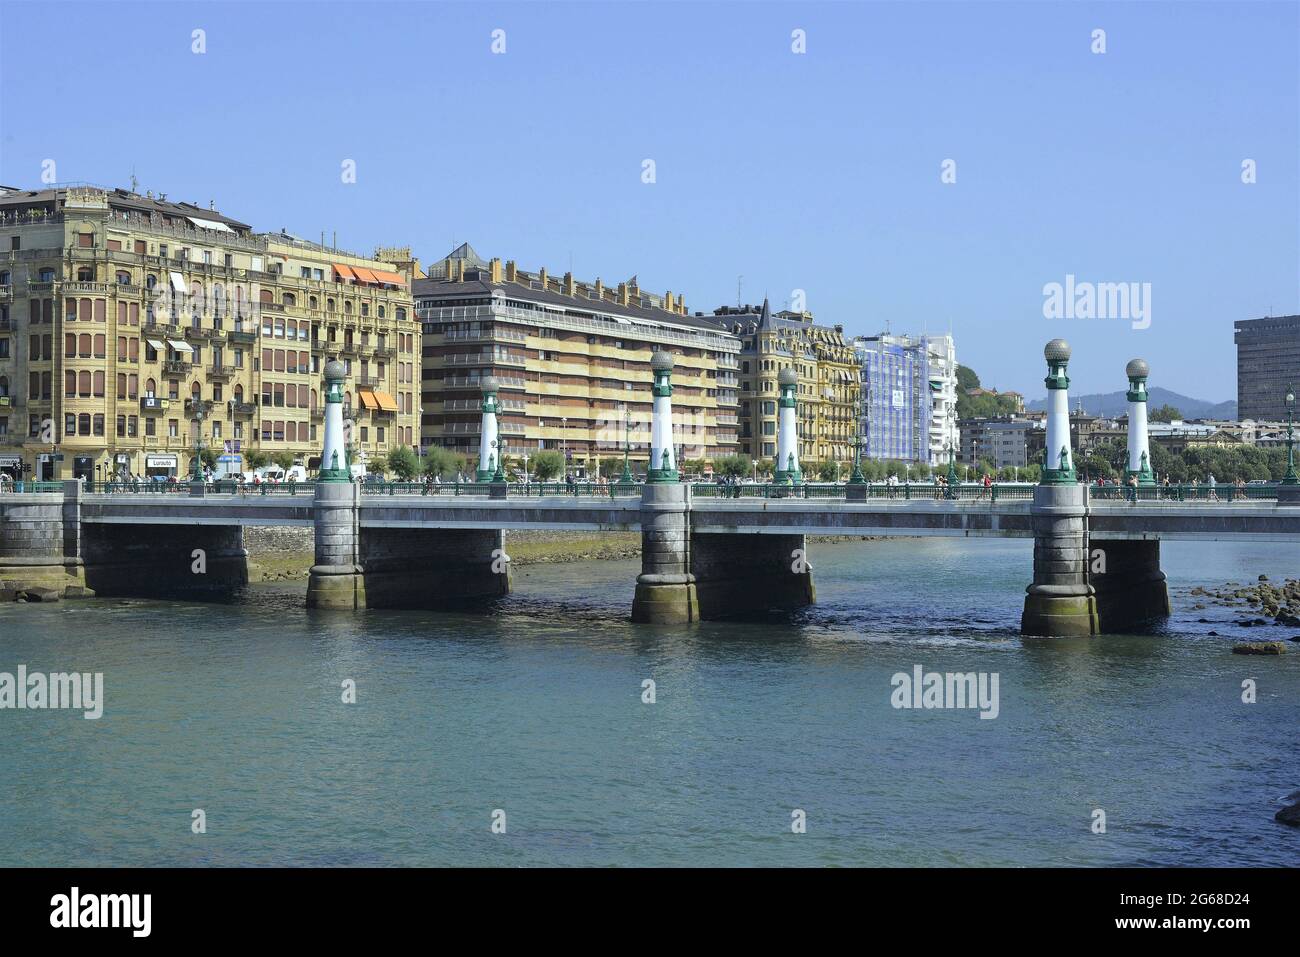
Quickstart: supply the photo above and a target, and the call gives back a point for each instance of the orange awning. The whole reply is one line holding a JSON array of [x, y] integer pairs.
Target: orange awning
[[365, 275], [368, 399], [386, 402], [343, 272], [389, 277]]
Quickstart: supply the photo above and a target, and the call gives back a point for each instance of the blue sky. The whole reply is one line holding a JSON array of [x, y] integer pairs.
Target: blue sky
[[817, 171]]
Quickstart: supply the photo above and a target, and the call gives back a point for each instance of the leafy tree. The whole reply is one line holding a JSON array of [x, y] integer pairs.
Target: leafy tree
[[439, 462], [1166, 413], [403, 463], [766, 468], [967, 378], [611, 468], [734, 466], [829, 471], [208, 456], [547, 464], [377, 465], [283, 459], [255, 459]]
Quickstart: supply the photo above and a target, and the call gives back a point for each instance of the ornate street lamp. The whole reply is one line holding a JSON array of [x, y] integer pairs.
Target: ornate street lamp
[[857, 478], [498, 474], [196, 464], [952, 471], [1290, 477], [626, 477]]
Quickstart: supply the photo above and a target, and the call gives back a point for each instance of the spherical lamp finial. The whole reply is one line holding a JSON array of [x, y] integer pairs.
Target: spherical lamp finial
[[1137, 369], [661, 361], [334, 369], [1057, 351], [788, 376]]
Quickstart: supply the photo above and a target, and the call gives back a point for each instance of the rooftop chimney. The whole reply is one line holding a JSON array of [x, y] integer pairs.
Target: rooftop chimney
[[512, 273], [494, 270]]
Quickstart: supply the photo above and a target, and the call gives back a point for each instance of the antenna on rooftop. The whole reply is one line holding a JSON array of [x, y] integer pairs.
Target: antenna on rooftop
[[135, 183], [738, 280]]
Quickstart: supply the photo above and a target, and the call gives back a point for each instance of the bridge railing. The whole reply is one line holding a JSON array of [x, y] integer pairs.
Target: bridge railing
[[903, 491], [1217, 493], [513, 489], [215, 487]]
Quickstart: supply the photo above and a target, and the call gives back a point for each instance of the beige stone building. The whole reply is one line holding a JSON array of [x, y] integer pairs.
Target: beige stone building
[[827, 389], [573, 362], [132, 328]]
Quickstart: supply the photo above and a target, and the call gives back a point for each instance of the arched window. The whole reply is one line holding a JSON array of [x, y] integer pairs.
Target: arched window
[[150, 281], [218, 300], [329, 305], [196, 392], [313, 400], [365, 309], [83, 344], [100, 345], [86, 274], [347, 307], [123, 278], [99, 383], [266, 296], [70, 384], [311, 301], [150, 387], [47, 275], [381, 312], [83, 384], [239, 393], [289, 299]]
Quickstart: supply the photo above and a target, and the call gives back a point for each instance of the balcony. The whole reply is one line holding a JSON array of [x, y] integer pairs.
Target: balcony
[[176, 367], [151, 403], [220, 372], [244, 336], [241, 408]]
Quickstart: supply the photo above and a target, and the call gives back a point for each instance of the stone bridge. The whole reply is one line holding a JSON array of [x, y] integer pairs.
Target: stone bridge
[[704, 555]]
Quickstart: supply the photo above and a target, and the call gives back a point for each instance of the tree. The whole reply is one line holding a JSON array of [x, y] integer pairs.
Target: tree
[[377, 464], [734, 466], [403, 463], [766, 468], [967, 378], [1166, 413], [547, 464], [283, 459], [255, 459], [611, 468], [439, 462], [208, 456]]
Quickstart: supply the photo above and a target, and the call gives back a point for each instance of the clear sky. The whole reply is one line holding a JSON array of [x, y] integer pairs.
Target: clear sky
[[817, 171]]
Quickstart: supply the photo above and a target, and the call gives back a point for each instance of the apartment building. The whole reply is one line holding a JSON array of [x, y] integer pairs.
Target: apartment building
[[909, 397], [134, 330], [573, 362], [827, 390]]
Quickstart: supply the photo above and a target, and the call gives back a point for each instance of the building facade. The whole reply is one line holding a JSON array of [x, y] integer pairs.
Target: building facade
[[1268, 361], [572, 361], [826, 390], [908, 409], [1004, 441], [135, 330]]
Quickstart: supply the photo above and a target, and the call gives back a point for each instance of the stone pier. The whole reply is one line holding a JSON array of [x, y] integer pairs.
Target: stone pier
[[1061, 601], [1131, 591], [335, 579], [665, 589], [40, 542]]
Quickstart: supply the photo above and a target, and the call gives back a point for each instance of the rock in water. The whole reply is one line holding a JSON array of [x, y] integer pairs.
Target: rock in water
[[1259, 648]]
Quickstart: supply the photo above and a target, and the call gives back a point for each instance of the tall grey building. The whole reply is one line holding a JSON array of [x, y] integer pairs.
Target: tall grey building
[[1268, 360]]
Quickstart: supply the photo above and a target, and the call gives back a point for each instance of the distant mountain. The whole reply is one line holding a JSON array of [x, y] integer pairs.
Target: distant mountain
[[1115, 403]]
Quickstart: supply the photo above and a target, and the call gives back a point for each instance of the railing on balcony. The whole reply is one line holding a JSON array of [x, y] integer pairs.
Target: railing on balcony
[[176, 366], [242, 408], [152, 403], [220, 372]]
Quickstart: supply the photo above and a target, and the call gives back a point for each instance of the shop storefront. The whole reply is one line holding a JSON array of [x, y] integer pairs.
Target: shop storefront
[[12, 466], [121, 466], [83, 467], [160, 466]]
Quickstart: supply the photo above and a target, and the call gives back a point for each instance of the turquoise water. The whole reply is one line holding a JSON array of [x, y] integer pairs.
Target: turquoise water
[[536, 710]]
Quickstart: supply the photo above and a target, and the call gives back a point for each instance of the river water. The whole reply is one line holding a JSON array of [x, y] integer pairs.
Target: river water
[[536, 710]]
